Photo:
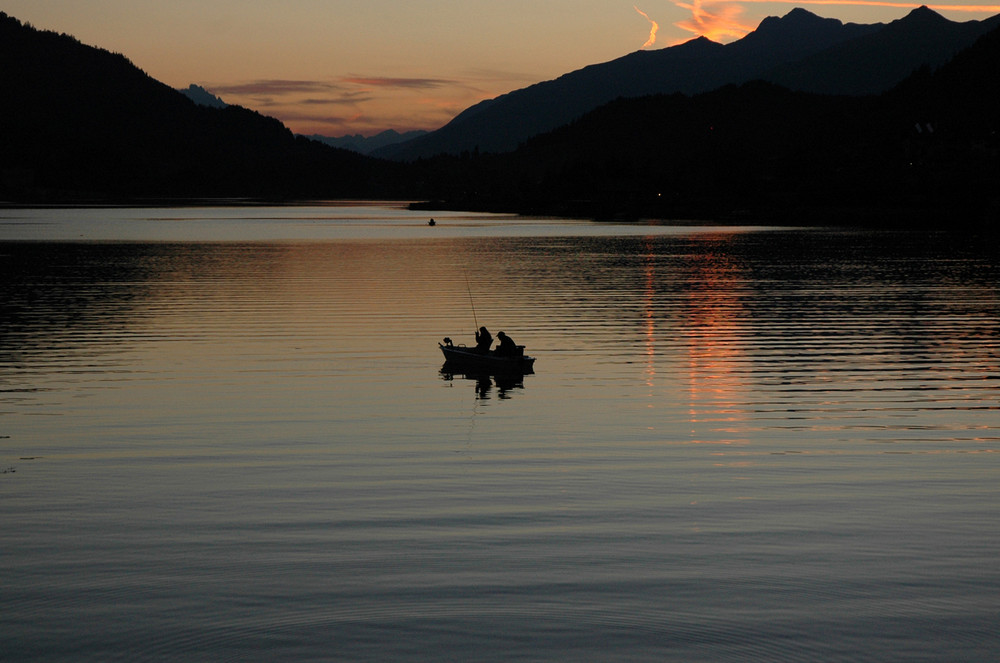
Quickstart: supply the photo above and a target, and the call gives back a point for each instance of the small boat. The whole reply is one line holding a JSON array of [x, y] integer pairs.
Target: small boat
[[465, 357]]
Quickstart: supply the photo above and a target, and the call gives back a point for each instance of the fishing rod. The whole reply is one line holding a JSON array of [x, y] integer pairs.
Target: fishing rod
[[469, 288]]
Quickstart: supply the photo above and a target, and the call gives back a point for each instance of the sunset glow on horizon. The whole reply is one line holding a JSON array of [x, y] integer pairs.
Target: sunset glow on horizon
[[339, 68]]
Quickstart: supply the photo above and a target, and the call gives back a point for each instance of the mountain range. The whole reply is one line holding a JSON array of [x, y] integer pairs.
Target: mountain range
[[368, 144], [926, 152], [81, 124], [800, 51]]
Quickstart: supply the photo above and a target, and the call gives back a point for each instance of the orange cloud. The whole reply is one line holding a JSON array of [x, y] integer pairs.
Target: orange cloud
[[718, 21], [406, 83], [654, 26], [273, 86]]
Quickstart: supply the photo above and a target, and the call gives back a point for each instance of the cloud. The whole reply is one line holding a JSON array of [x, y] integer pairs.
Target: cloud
[[404, 83], [274, 87], [356, 102], [280, 93], [495, 75], [653, 28], [293, 115], [353, 102], [346, 99], [718, 21]]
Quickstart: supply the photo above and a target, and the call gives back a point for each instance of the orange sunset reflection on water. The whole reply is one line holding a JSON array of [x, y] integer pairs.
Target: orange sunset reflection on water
[[706, 335]]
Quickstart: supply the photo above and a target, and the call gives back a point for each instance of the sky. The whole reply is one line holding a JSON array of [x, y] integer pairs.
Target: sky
[[338, 67]]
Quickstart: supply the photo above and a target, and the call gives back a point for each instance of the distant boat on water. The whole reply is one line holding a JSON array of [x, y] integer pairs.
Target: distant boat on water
[[460, 356]]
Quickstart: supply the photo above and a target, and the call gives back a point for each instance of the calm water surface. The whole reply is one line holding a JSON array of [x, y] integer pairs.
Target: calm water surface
[[225, 434]]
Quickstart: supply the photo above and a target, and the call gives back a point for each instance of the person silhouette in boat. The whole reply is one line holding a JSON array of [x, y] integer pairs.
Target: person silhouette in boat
[[507, 347], [483, 340]]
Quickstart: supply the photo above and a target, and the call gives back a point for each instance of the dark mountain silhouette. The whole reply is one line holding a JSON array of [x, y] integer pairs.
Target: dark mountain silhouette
[[924, 152], [368, 144], [799, 50], [79, 121], [202, 97], [875, 62]]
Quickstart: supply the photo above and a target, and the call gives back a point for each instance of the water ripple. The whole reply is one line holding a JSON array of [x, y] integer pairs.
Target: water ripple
[[768, 445]]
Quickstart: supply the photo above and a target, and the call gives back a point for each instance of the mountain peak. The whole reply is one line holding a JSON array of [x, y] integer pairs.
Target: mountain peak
[[921, 21], [924, 13], [202, 97], [800, 14], [796, 20], [800, 50], [791, 36], [701, 44]]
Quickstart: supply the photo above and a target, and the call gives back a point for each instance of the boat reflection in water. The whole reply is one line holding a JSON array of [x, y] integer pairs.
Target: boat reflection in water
[[504, 381], [506, 371]]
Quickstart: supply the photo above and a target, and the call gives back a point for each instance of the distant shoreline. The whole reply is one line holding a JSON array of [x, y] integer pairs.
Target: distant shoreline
[[142, 203], [982, 220], [850, 216]]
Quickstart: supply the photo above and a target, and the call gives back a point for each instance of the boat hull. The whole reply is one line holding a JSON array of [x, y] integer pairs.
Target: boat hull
[[460, 356]]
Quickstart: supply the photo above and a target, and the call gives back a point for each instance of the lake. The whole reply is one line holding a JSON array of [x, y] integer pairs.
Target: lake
[[226, 434]]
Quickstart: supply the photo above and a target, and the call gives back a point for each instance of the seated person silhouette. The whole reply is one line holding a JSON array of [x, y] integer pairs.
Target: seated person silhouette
[[483, 340], [507, 347]]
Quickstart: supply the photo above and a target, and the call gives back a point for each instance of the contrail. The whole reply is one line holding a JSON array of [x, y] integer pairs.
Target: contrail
[[654, 26]]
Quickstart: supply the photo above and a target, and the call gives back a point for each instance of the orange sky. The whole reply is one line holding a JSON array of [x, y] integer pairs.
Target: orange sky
[[338, 67]]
